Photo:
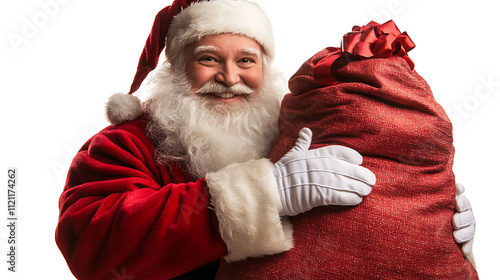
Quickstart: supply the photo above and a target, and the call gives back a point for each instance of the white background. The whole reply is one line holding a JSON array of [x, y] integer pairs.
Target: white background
[[61, 60]]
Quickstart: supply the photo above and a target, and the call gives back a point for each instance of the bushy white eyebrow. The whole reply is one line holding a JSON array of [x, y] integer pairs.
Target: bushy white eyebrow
[[252, 51], [201, 49], [248, 51]]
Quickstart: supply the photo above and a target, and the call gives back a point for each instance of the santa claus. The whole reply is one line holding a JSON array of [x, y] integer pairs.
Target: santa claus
[[182, 180]]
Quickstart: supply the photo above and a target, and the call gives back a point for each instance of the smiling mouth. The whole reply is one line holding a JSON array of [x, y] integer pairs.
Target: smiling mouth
[[223, 95], [223, 91]]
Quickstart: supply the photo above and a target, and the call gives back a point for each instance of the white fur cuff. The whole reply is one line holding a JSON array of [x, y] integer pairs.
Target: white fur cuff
[[122, 107], [245, 199]]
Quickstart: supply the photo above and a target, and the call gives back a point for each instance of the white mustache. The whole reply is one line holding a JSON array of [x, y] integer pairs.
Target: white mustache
[[214, 87]]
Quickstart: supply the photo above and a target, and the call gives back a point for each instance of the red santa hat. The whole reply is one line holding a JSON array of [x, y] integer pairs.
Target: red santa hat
[[185, 22]]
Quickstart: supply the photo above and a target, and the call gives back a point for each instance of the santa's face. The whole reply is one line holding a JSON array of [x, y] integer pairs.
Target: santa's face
[[225, 67], [216, 105]]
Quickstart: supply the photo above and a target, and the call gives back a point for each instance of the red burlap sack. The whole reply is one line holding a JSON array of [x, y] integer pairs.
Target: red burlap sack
[[386, 111]]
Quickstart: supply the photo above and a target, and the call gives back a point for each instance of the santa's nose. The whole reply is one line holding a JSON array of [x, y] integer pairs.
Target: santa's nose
[[228, 74]]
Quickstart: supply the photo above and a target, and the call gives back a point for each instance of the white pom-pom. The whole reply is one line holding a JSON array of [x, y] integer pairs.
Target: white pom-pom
[[122, 107]]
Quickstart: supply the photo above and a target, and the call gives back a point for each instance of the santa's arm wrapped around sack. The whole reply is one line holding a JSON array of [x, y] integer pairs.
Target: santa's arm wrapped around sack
[[122, 211]]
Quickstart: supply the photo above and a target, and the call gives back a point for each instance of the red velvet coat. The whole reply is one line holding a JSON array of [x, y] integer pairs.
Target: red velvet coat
[[123, 214]]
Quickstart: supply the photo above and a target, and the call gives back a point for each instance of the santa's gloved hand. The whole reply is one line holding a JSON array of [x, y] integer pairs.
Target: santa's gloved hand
[[464, 223], [329, 175]]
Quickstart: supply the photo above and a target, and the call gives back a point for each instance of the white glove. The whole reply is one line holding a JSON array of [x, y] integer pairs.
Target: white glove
[[329, 175], [464, 223]]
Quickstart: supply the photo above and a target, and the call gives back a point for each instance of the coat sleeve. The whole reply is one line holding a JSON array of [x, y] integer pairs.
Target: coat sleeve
[[246, 201], [121, 214]]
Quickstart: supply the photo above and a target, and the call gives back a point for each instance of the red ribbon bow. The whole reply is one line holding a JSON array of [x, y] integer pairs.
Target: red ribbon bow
[[371, 40]]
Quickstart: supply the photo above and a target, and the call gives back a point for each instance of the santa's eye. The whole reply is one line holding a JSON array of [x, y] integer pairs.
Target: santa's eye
[[207, 59], [247, 60]]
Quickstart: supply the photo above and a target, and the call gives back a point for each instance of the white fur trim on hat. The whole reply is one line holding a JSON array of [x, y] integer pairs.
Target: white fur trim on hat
[[213, 17], [246, 201], [122, 107]]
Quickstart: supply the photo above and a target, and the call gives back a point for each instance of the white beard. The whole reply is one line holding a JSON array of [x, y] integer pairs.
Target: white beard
[[206, 134]]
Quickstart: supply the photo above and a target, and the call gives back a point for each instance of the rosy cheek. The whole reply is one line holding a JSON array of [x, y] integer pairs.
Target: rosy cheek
[[198, 76], [255, 79]]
